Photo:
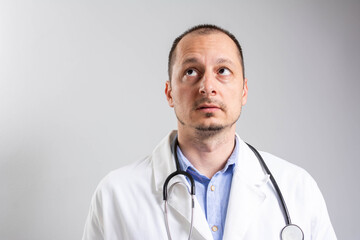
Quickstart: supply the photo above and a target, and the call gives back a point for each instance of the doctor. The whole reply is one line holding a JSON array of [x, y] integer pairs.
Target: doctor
[[234, 197]]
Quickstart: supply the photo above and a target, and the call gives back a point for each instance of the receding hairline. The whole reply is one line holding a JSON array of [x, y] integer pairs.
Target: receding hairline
[[204, 33], [205, 29]]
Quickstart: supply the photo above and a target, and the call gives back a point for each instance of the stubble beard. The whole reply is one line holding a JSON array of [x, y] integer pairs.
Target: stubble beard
[[208, 131]]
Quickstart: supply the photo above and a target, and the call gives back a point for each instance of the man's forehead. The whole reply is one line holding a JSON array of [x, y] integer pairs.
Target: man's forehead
[[194, 60], [196, 41], [205, 36]]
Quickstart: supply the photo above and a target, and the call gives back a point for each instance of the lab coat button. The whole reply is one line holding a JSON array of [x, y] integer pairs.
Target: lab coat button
[[214, 228]]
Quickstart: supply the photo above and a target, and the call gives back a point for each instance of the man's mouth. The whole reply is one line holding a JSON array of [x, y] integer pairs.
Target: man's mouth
[[208, 107]]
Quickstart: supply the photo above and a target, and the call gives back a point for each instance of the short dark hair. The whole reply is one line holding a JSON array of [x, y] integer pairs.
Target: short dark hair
[[203, 29]]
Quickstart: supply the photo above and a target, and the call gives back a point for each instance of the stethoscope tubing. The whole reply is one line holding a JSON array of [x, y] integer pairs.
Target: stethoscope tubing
[[283, 204], [178, 171], [165, 191]]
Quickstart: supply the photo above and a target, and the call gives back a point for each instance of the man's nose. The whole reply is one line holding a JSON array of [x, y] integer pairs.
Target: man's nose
[[207, 85]]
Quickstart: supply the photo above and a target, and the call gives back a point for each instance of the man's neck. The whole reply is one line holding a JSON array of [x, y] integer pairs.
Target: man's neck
[[207, 155]]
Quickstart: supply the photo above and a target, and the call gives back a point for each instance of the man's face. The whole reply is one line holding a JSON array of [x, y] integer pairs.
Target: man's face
[[207, 88]]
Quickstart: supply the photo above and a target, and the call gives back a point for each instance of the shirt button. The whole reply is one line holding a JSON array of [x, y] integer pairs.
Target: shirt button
[[212, 188], [214, 228]]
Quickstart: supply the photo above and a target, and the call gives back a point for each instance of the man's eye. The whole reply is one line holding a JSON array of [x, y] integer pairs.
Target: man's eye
[[191, 72], [224, 71]]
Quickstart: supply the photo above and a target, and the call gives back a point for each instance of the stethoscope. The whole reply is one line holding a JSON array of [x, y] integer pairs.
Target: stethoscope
[[289, 232]]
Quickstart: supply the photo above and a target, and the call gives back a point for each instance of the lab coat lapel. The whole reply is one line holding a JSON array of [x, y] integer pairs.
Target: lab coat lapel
[[180, 201], [246, 194], [179, 197]]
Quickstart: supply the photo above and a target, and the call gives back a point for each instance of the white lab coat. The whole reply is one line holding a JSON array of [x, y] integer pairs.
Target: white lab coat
[[128, 202]]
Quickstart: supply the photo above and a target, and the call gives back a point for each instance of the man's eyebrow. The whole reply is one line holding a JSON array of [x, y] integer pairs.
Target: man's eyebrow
[[218, 61], [190, 60], [224, 60]]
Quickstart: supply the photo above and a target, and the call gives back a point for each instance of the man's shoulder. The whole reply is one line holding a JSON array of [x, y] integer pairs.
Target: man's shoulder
[[141, 172], [284, 170], [278, 162], [131, 173]]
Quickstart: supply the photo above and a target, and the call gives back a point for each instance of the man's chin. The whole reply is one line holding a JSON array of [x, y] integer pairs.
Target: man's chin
[[211, 128], [209, 131]]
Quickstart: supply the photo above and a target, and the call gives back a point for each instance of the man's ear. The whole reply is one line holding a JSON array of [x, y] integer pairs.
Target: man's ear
[[168, 93], [245, 93]]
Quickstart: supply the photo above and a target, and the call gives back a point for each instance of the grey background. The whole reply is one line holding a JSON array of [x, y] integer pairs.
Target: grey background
[[82, 93]]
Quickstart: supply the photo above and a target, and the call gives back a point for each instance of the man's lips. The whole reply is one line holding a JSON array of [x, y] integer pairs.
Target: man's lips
[[208, 107]]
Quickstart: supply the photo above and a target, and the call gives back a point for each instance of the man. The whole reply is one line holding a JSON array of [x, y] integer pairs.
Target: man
[[234, 197]]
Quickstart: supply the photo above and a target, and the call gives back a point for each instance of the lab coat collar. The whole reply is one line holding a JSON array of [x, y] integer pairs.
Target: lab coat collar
[[247, 167], [246, 194], [163, 160], [179, 197]]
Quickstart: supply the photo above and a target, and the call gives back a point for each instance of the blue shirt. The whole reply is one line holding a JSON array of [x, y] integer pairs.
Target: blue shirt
[[213, 194]]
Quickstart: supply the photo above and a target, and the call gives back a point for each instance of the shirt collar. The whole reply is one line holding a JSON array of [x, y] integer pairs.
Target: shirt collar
[[185, 164]]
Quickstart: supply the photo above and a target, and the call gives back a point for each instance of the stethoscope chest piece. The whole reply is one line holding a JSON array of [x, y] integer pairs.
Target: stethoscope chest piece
[[292, 232]]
